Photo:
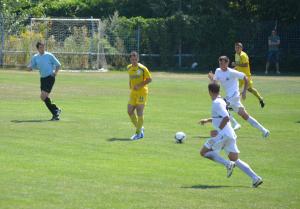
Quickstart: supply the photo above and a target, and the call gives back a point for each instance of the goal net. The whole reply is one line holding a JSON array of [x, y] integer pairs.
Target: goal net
[[77, 43]]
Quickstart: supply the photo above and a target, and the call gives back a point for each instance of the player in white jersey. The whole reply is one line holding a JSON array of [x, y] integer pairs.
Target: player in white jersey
[[224, 137], [229, 81]]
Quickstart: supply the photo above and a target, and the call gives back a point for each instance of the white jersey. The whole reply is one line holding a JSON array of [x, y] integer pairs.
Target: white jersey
[[219, 111], [229, 81]]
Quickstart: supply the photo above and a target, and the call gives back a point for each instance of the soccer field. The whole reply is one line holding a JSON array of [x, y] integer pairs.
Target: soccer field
[[86, 160]]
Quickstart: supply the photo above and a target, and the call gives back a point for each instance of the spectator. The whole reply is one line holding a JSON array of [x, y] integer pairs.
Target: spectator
[[273, 53]]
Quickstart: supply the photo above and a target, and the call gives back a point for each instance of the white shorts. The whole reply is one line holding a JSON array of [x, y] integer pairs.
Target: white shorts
[[222, 142], [234, 103]]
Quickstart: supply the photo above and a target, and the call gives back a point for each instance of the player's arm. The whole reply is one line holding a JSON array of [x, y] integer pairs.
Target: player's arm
[[31, 65], [270, 42], [142, 84], [223, 123], [56, 63], [211, 77], [240, 75], [241, 64], [205, 120], [146, 81], [57, 68], [222, 112]]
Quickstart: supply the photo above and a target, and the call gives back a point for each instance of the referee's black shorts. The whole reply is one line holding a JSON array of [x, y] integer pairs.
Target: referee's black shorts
[[47, 83]]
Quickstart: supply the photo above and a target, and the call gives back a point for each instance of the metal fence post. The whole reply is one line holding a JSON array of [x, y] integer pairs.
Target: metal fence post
[[2, 39], [138, 39]]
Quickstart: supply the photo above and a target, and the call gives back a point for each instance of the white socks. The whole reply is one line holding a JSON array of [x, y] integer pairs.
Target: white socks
[[256, 124], [217, 158], [246, 169]]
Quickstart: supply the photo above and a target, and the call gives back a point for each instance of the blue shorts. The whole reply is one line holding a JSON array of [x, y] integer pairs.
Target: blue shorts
[[273, 56]]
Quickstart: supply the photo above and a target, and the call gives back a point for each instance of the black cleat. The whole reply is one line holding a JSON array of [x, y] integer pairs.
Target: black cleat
[[55, 118], [262, 104], [258, 182]]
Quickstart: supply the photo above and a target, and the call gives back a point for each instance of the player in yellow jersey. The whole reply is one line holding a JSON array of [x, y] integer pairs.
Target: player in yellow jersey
[[242, 64], [139, 77]]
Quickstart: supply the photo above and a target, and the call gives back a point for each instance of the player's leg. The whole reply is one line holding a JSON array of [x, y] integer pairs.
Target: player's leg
[[269, 57], [254, 91], [132, 115], [233, 155], [140, 114], [277, 62], [46, 87], [256, 180], [267, 67], [214, 156], [131, 112], [132, 103], [235, 125], [242, 112], [258, 96], [233, 105], [141, 103], [211, 148]]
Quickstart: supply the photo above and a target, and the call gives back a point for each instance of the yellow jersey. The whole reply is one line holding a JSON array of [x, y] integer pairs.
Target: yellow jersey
[[138, 74], [242, 59]]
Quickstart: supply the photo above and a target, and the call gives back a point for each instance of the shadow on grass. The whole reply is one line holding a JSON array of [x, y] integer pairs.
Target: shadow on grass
[[298, 121], [118, 139], [29, 121], [200, 137], [200, 186]]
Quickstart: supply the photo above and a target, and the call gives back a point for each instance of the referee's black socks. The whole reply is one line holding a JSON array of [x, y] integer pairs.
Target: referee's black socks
[[51, 107]]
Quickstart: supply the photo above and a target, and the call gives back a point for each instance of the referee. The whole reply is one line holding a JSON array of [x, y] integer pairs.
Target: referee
[[48, 65]]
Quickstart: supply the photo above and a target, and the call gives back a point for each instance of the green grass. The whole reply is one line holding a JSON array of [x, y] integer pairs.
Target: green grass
[[86, 160]]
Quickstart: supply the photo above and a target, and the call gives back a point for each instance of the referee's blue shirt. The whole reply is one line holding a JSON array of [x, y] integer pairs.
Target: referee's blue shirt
[[45, 63]]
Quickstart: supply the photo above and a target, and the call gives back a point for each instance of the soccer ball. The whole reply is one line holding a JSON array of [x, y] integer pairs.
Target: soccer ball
[[180, 137]]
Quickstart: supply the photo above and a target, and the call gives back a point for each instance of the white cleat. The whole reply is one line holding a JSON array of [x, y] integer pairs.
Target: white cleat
[[266, 134], [230, 168], [133, 136], [237, 126], [138, 136], [257, 182]]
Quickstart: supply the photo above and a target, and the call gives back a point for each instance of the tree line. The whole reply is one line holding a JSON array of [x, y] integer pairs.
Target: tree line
[[205, 28]]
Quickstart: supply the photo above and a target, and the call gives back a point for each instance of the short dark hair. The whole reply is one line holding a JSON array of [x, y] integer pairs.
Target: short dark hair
[[38, 44], [239, 44], [134, 53], [214, 88], [225, 58]]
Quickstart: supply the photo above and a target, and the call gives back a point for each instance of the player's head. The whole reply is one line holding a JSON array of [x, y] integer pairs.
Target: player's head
[[213, 89], [40, 47], [223, 62], [134, 58], [273, 33], [238, 47]]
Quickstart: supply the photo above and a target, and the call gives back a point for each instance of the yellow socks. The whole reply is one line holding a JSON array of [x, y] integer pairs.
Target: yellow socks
[[140, 123]]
